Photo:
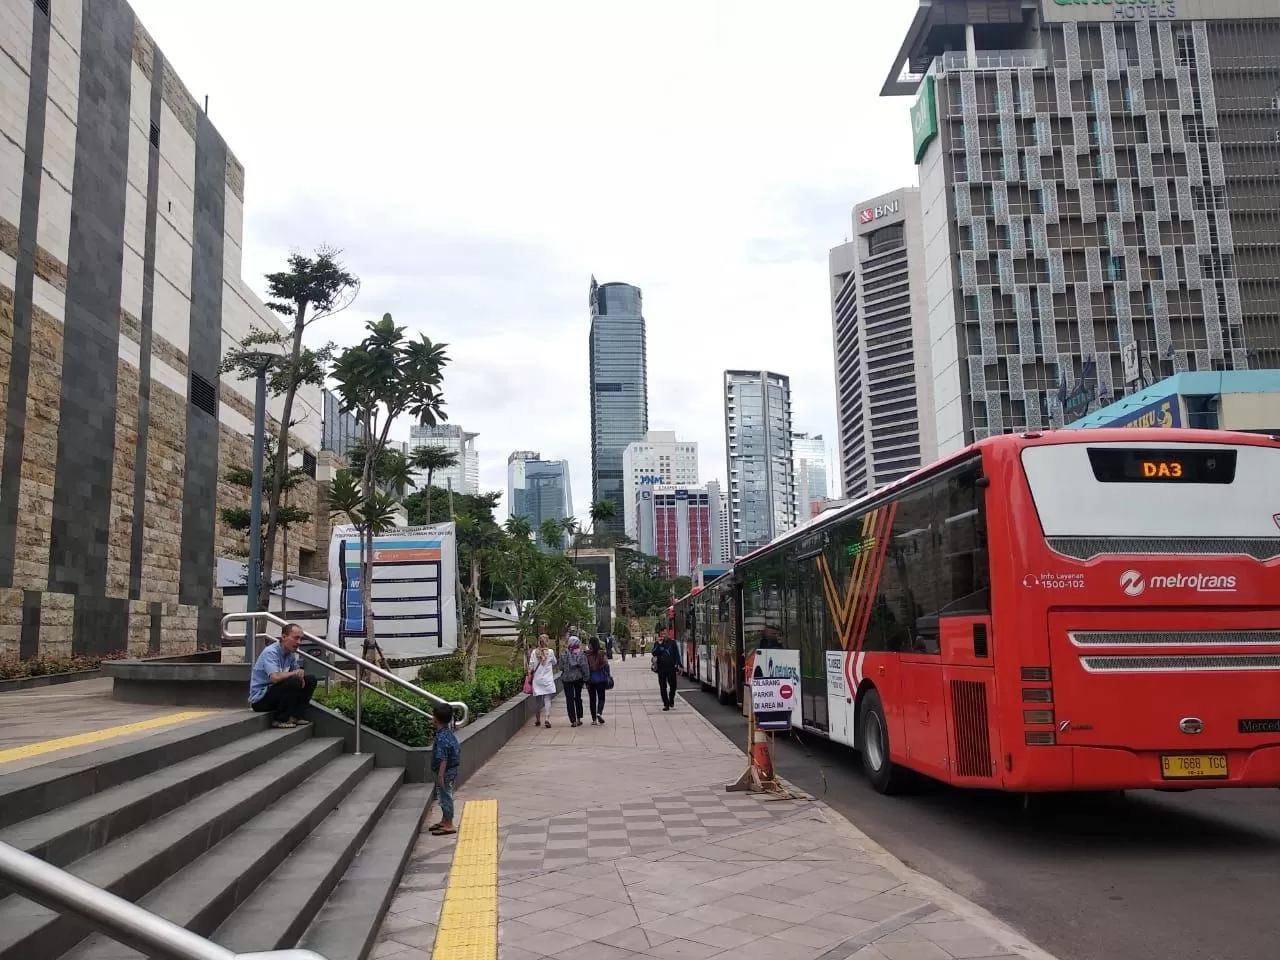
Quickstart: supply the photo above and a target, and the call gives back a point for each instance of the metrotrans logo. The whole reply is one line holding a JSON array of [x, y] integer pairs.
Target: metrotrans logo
[[1134, 584]]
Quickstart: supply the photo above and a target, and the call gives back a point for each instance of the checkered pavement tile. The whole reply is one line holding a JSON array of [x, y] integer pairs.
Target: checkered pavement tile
[[632, 827]]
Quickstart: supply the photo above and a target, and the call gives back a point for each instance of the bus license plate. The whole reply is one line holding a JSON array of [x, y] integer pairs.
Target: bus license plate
[[1200, 766]]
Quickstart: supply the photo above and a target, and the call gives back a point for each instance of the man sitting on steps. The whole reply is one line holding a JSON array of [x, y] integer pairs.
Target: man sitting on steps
[[277, 684]]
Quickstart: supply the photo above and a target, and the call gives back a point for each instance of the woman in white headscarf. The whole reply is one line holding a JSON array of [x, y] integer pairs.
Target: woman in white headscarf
[[542, 667]]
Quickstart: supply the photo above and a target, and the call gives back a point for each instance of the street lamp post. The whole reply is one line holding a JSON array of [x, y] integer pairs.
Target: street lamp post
[[264, 361]]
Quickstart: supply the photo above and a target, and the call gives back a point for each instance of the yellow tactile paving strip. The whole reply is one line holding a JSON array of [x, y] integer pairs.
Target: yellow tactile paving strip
[[40, 747], [469, 918]]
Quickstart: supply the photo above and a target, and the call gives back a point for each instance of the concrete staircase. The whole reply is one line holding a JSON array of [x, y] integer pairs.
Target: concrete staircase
[[258, 839]]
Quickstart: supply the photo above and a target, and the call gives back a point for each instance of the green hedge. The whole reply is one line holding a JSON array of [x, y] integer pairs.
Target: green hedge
[[11, 668], [492, 686]]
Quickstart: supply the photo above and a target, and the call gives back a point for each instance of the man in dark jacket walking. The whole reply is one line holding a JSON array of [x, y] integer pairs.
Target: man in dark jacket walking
[[666, 659]]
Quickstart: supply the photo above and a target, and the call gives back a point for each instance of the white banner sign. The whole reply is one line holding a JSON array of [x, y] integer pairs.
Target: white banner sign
[[414, 604], [773, 694]]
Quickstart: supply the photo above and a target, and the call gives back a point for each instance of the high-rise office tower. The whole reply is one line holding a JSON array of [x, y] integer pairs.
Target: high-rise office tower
[[619, 389], [1099, 186], [809, 458], [657, 458], [880, 327], [538, 490], [757, 425], [462, 477], [680, 526], [726, 530]]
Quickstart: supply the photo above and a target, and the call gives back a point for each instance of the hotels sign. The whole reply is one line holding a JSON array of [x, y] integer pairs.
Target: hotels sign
[[1092, 11]]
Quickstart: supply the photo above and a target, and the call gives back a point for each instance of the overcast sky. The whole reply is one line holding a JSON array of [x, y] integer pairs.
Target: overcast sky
[[479, 160]]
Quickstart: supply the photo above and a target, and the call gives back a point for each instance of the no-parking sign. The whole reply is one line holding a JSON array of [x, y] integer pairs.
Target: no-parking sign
[[773, 694]]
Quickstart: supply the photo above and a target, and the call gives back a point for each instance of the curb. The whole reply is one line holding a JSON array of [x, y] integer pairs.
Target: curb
[[47, 680], [983, 920]]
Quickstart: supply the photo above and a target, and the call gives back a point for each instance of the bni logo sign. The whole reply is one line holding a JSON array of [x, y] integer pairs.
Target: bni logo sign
[[1134, 584], [867, 215]]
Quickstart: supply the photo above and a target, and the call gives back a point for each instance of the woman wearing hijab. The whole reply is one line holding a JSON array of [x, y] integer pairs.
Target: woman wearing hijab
[[574, 672], [598, 681], [542, 666]]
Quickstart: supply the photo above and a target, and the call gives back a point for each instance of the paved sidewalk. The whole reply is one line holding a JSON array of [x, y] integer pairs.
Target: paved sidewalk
[[620, 842]]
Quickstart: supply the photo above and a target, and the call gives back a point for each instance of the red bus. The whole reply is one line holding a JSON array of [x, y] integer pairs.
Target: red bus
[[706, 625], [1078, 610]]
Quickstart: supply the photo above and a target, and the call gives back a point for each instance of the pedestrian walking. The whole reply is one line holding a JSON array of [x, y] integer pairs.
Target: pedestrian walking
[[625, 644], [600, 679], [542, 667], [608, 646], [575, 673], [666, 661]]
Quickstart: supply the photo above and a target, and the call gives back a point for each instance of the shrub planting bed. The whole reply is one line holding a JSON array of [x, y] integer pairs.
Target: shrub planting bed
[[491, 687]]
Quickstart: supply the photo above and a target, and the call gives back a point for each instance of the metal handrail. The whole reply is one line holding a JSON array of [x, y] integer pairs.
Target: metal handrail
[[252, 617], [119, 919]]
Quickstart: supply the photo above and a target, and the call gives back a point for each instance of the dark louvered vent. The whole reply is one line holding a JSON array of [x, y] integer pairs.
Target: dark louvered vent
[[43, 6], [309, 463], [979, 639], [155, 134], [973, 742], [204, 395]]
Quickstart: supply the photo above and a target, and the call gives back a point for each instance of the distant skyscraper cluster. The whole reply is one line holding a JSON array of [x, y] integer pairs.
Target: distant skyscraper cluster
[[538, 490], [462, 477]]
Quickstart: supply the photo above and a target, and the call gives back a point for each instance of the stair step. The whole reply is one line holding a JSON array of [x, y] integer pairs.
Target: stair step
[[205, 892], [291, 897], [39, 789], [348, 922], [140, 861], [76, 830]]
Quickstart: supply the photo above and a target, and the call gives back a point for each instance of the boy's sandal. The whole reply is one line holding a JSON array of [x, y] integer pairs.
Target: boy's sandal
[[442, 832]]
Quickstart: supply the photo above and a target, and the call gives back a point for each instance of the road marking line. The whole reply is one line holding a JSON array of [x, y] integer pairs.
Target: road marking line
[[27, 751], [469, 918]]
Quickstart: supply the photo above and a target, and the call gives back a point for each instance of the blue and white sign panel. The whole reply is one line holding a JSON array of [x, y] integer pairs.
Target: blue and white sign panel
[[413, 589]]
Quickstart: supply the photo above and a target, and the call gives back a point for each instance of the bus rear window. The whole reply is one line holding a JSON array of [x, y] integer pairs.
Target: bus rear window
[[1125, 465], [1198, 490]]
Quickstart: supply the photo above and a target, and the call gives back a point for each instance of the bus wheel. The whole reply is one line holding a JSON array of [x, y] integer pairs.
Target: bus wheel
[[873, 744]]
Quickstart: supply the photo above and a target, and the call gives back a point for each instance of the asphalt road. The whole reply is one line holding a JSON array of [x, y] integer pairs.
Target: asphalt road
[[1148, 876]]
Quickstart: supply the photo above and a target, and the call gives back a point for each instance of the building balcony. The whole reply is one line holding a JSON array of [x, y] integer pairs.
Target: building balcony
[[959, 60]]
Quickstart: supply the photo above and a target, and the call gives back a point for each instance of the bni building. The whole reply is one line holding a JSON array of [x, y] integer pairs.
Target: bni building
[[619, 390], [883, 357], [1100, 187]]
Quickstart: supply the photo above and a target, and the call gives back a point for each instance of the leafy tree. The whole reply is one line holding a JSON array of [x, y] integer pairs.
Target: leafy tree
[[478, 536], [431, 459], [240, 519], [311, 289], [384, 377], [372, 515]]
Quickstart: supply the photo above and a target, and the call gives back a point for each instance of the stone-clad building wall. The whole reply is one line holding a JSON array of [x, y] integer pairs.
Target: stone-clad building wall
[[120, 245]]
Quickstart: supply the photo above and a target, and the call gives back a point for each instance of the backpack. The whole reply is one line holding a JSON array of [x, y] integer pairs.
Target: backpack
[[664, 657]]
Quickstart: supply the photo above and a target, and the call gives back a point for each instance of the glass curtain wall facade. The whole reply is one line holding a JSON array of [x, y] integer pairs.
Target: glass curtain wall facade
[[619, 390], [762, 490], [541, 493], [1108, 192]]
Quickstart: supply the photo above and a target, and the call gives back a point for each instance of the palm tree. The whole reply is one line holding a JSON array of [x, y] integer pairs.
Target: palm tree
[[431, 459], [372, 515], [602, 511], [551, 533], [475, 538]]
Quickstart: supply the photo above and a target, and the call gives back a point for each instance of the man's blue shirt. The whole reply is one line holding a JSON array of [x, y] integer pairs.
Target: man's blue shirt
[[271, 660], [449, 750]]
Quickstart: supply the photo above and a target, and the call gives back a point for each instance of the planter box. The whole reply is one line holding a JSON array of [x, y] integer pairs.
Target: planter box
[[47, 680], [480, 740]]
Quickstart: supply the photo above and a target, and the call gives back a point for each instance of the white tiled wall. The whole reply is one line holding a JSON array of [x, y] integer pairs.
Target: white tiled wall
[[15, 59], [65, 18]]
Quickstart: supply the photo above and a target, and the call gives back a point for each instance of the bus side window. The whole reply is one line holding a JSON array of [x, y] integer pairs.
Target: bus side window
[[964, 581]]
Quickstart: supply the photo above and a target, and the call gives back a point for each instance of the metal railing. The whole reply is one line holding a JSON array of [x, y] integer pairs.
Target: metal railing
[[994, 59], [117, 918], [252, 634]]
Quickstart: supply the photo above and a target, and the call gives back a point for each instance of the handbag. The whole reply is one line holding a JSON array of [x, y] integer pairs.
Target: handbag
[[653, 663], [608, 680], [528, 682]]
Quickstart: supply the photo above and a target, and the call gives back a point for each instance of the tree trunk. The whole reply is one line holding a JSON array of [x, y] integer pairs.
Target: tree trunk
[[284, 582], [473, 620], [428, 517], [282, 457], [370, 650]]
